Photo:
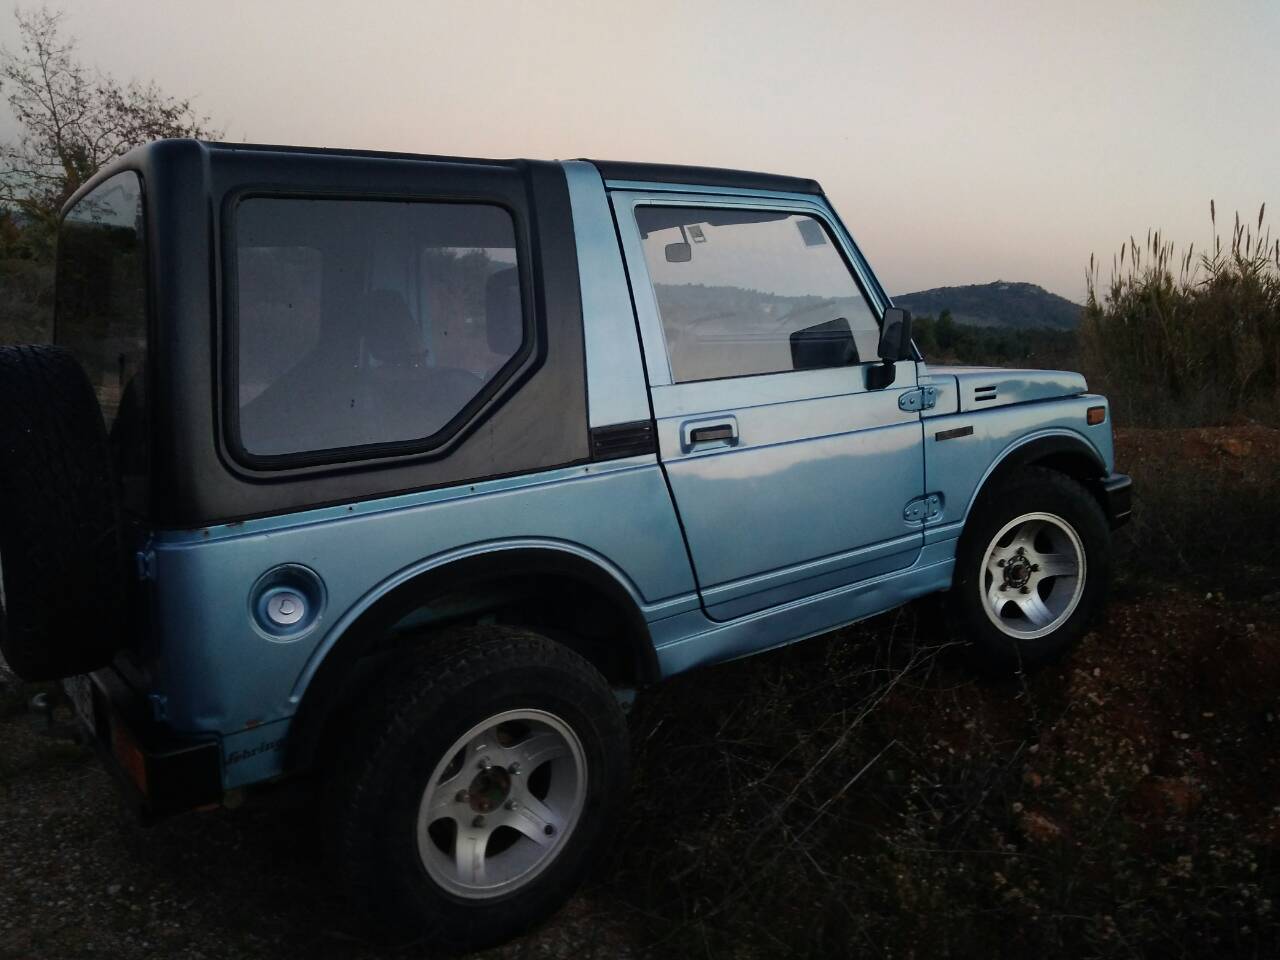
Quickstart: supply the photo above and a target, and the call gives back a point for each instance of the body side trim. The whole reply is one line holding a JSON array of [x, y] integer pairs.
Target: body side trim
[[681, 648], [174, 539]]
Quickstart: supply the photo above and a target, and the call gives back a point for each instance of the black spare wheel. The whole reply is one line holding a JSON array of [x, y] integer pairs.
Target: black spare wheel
[[62, 571]]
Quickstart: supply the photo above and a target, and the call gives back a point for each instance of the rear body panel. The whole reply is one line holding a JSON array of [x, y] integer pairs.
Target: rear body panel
[[218, 671]]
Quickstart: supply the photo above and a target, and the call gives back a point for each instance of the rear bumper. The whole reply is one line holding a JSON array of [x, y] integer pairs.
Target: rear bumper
[[1115, 493], [160, 773]]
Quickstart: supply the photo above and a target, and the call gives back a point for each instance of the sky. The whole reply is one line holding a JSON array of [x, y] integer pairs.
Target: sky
[[960, 142]]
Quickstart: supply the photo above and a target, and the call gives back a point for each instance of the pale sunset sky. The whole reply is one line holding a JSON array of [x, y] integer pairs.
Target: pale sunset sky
[[961, 142]]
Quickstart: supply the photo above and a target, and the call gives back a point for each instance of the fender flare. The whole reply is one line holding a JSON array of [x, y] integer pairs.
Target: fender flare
[[320, 685], [1035, 448]]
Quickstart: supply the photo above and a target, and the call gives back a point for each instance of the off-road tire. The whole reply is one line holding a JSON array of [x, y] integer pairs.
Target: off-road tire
[[60, 548], [1025, 491], [408, 722]]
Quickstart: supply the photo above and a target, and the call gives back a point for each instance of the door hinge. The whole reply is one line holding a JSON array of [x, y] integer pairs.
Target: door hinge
[[923, 508], [921, 398]]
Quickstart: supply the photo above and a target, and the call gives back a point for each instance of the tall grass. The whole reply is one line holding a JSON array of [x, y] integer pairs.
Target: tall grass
[[1180, 339]]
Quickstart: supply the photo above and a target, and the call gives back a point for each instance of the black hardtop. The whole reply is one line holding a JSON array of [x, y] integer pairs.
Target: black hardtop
[[609, 169], [704, 176], [616, 170]]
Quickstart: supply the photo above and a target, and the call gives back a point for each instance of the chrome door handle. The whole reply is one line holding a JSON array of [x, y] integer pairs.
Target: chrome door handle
[[698, 432]]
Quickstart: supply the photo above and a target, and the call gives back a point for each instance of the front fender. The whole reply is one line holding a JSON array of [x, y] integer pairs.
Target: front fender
[[965, 451]]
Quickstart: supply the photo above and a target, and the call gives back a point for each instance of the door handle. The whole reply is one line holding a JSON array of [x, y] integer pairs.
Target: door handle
[[709, 431], [721, 431]]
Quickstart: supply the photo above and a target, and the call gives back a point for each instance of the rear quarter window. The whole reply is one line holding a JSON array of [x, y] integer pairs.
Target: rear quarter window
[[100, 315], [362, 324]]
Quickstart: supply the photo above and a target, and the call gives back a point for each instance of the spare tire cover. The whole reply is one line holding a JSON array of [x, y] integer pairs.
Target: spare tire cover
[[62, 569]]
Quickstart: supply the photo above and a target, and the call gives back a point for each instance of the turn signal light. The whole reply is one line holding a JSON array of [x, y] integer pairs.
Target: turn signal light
[[1096, 415]]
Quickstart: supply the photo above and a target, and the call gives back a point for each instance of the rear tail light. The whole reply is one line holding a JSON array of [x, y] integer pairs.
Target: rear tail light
[[130, 757]]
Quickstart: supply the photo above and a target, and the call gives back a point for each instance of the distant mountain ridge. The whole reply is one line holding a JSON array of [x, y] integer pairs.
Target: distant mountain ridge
[[1000, 304]]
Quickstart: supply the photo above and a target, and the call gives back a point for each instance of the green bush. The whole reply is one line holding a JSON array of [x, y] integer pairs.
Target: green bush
[[1201, 347], [943, 340]]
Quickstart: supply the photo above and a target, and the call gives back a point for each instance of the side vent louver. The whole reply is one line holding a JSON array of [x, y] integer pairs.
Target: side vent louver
[[622, 440], [984, 393]]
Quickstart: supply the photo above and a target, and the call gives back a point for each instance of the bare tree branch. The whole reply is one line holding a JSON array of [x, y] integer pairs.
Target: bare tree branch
[[72, 120]]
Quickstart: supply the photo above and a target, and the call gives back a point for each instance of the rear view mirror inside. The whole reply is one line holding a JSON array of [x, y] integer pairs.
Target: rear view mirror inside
[[679, 252]]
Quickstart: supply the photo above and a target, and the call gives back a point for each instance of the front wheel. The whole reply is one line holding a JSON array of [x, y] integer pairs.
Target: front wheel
[[1033, 569], [484, 780]]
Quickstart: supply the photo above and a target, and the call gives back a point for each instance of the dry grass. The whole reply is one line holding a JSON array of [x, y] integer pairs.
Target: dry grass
[[1194, 347], [1206, 508], [859, 794]]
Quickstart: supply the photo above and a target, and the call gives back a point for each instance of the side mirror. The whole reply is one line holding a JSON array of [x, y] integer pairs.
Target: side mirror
[[678, 252], [895, 345], [895, 335]]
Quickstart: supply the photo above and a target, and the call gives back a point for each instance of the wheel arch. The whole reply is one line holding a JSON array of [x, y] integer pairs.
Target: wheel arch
[[1064, 451], [546, 582]]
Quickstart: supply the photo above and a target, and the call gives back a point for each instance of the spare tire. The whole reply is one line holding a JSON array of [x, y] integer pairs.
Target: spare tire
[[62, 570]]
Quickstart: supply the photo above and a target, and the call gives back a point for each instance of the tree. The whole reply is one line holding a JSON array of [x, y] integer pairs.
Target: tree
[[72, 120], [945, 331]]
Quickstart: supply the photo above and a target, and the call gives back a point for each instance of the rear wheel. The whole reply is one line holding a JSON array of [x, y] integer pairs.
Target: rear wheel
[[478, 787], [1033, 569]]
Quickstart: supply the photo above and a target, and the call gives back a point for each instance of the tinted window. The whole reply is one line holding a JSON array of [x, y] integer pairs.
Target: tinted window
[[748, 292], [100, 315], [368, 322]]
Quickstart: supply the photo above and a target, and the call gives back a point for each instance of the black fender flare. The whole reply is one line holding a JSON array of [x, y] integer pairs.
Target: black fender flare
[[1069, 453], [325, 689]]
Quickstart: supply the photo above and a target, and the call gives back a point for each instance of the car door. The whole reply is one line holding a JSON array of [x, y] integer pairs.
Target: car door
[[789, 474]]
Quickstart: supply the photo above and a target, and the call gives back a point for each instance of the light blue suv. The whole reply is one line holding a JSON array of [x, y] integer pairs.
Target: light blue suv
[[408, 471]]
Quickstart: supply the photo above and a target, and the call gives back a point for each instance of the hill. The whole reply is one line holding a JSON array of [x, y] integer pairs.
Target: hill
[[999, 304]]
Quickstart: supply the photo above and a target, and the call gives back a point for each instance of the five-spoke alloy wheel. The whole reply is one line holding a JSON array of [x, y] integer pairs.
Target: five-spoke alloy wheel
[[505, 797], [1032, 569], [1035, 575], [476, 787]]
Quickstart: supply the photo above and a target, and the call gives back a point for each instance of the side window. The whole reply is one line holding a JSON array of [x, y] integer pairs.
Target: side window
[[745, 292], [100, 315], [363, 322]]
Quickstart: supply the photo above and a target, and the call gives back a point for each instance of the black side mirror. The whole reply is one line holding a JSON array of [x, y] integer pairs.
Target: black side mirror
[[895, 345]]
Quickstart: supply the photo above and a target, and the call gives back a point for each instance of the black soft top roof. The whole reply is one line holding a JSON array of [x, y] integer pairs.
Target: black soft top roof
[[609, 169], [704, 176]]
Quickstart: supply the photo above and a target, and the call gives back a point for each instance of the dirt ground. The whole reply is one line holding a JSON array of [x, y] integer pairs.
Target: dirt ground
[[1174, 720], [863, 793]]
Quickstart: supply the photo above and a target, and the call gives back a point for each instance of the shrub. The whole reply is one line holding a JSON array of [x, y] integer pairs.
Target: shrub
[[1198, 348]]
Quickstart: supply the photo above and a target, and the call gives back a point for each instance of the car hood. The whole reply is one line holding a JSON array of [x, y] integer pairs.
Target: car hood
[[962, 389]]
